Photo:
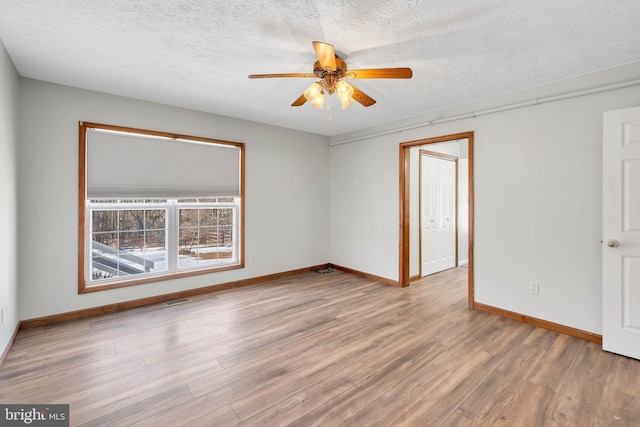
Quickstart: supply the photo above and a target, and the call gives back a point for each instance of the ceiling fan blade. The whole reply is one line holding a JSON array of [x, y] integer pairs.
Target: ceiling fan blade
[[380, 73], [362, 97], [269, 76], [300, 101], [326, 55]]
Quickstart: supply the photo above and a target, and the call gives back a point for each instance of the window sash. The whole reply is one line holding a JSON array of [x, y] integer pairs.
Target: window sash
[[201, 250], [172, 247]]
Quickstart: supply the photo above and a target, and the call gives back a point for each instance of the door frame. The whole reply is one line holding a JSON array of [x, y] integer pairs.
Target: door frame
[[405, 178], [442, 156]]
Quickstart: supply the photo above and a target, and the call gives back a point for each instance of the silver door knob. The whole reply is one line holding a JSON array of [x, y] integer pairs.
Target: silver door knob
[[613, 243]]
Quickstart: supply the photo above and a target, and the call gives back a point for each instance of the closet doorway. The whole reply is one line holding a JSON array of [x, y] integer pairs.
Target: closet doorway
[[436, 207]]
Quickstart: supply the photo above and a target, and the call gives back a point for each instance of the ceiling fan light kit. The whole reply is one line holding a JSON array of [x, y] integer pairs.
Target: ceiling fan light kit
[[315, 95], [331, 69], [345, 93]]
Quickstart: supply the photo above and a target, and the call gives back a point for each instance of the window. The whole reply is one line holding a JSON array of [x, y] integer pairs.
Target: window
[[206, 232], [156, 206]]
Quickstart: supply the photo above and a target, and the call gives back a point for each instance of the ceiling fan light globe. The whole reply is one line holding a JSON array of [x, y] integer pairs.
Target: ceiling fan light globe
[[314, 91], [345, 93], [344, 89], [318, 101], [346, 102]]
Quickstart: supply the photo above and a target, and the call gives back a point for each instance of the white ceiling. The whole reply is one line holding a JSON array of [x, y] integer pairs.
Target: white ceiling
[[197, 53]]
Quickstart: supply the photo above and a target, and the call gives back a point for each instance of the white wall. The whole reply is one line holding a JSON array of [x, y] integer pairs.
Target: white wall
[[287, 213], [364, 208], [537, 205], [8, 186]]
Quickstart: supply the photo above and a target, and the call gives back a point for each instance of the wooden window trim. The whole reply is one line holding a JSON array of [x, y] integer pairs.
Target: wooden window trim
[[83, 286]]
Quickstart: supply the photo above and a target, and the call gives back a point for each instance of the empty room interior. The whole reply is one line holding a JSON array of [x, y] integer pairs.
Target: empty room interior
[[320, 213]]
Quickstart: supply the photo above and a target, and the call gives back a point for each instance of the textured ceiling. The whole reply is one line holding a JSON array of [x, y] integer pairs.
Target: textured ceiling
[[197, 53]]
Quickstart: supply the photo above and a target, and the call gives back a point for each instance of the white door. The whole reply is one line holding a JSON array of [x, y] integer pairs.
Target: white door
[[447, 205], [621, 232], [438, 214], [430, 167]]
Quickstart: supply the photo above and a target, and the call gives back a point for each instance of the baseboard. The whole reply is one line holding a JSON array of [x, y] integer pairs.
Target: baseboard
[[366, 275], [556, 327], [9, 344], [111, 308]]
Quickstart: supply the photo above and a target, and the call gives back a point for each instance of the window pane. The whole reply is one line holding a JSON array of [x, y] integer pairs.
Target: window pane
[[208, 237], [208, 217], [188, 238], [154, 240], [131, 220], [208, 245], [217, 239], [226, 248], [105, 220], [207, 256], [188, 218], [227, 233], [225, 200], [188, 247], [226, 216], [104, 267], [132, 241], [103, 201], [155, 250], [154, 219], [104, 261], [110, 240]]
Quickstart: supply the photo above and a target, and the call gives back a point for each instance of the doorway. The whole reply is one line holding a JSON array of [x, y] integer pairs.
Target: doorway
[[409, 191]]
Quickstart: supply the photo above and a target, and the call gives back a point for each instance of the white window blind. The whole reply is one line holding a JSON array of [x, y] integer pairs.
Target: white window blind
[[128, 165]]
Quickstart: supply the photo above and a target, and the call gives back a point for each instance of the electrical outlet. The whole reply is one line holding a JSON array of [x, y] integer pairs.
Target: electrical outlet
[[534, 288], [342, 249], [252, 257], [1, 315]]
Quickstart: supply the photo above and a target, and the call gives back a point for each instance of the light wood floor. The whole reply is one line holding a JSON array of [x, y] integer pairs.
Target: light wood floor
[[321, 349]]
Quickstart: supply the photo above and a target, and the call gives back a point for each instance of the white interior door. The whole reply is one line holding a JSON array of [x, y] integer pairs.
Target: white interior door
[[447, 208], [429, 214], [621, 232], [437, 214]]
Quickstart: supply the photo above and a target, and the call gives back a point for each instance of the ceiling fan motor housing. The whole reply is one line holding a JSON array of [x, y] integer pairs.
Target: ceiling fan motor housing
[[330, 77]]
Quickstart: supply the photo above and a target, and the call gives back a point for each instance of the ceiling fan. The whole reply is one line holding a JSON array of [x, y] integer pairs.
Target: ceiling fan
[[331, 70]]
